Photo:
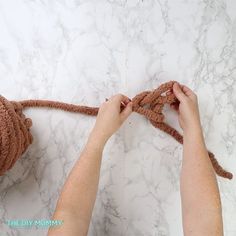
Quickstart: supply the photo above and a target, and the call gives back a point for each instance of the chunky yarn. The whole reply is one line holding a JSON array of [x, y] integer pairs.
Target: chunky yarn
[[15, 136]]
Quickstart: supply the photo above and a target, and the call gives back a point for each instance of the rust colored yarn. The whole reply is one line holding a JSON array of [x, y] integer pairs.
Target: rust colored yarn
[[15, 127]]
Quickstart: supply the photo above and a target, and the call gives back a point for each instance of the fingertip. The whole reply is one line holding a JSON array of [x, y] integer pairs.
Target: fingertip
[[125, 99], [178, 92], [176, 85], [126, 112], [187, 91], [130, 105]]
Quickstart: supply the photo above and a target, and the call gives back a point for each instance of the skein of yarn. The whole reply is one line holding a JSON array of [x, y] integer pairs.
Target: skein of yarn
[[15, 136]]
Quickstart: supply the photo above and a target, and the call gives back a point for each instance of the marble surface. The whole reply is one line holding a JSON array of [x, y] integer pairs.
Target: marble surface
[[83, 51]]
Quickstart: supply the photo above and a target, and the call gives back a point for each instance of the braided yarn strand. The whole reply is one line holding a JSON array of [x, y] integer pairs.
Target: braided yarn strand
[[15, 136], [155, 101]]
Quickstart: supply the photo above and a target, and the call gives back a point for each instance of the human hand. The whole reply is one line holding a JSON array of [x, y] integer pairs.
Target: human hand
[[187, 107], [111, 115]]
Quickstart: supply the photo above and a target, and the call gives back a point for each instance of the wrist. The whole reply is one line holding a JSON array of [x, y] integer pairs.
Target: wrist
[[97, 138], [193, 127], [194, 133]]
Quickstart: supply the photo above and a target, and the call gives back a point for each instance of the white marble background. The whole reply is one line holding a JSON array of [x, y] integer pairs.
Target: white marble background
[[83, 51]]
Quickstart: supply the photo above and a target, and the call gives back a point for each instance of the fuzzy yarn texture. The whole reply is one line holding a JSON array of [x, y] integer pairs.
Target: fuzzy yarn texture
[[15, 136]]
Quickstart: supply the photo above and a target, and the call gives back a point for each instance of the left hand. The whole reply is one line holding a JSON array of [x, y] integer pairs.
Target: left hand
[[110, 116]]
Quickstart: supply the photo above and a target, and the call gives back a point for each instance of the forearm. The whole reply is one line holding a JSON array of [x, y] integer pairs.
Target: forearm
[[78, 195], [201, 204]]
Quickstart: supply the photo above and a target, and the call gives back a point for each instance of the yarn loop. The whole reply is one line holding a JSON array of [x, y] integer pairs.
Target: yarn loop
[[15, 136]]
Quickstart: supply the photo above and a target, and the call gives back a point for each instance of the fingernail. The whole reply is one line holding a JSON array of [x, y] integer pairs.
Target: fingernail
[[122, 103]]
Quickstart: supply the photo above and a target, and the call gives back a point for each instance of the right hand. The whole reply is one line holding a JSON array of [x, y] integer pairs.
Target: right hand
[[187, 107]]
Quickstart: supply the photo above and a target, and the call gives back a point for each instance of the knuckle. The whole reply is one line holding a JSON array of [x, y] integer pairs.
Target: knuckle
[[187, 102], [117, 96], [195, 99], [184, 99]]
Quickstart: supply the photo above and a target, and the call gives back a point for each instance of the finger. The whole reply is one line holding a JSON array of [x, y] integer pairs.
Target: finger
[[187, 91], [126, 112], [119, 101], [124, 99], [178, 92], [174, 106], [122, 106], [120, 98], [169, 92]]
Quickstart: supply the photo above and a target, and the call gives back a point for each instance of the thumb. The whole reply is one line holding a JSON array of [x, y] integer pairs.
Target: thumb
[[126, 112], [178, 92]]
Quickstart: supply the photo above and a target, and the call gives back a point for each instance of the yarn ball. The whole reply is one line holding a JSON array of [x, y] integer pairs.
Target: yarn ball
[[14, 131]]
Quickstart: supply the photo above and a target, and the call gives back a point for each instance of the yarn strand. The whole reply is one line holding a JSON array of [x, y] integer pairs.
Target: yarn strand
[[92, 111], [15, 127]]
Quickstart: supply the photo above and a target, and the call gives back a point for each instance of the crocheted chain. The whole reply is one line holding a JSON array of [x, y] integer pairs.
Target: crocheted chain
[[15, 127]]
